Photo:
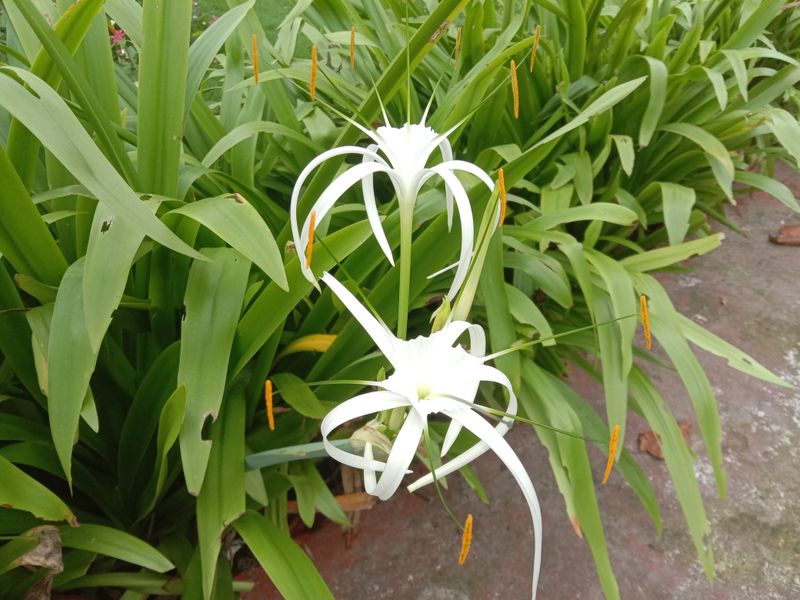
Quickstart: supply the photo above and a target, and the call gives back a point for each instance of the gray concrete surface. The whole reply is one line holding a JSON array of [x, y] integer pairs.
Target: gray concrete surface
[[748, 293]]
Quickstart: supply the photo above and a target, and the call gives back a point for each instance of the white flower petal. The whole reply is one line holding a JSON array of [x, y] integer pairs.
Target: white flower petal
[[328, 198], [477, 347], [504, 452], [468, 167], [372, 210], [467, 229], [307, 171], [404, 448], [365, 404], [447, 156], [379, 333]]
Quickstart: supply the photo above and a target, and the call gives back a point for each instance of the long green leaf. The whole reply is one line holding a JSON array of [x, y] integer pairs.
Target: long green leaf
[[716, 153], [284, 561], [71, 361], [677, 202], [665, 257], [205, 48], [736, 358], [163, 69], [235, 220], [21, 491], [115, 543], [667, 330], [50, 120], [679, 463], [214, 297], [222, 499]]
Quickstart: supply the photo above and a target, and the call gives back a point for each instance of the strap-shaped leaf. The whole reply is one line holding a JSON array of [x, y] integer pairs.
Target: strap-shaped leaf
[[115, 543], [284, 561], [235, 220], [213, 301], [222, 499], [50, 120], [21, 491]]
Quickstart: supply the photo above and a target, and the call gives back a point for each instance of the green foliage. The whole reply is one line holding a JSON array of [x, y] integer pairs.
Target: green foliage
[[147, 289]]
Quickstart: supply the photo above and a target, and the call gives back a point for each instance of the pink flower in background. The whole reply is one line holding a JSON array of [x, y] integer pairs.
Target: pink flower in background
[[117, 36]]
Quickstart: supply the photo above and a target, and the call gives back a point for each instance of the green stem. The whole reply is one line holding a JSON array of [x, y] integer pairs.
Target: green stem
[[406, 223]]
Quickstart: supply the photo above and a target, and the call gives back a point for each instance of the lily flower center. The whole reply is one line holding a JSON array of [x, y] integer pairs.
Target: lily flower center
[[431, 367], [408, 148]]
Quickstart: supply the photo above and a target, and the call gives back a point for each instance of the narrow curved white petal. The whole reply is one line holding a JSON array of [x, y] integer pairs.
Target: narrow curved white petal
[[477, 347], [484, 373], [328, 198], [315, 162], [443, 270], [379, 333], [504, 452], [372, 210], [468, 167], [467, 229], [404, 448], [447, 156], [365, 404]]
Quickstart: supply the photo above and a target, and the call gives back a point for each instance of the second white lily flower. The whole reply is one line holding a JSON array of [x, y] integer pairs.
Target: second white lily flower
[[431, 375]]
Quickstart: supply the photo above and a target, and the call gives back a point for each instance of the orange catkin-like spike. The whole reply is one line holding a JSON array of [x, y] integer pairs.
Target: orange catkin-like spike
[[501, 183], [268, 401], [255, 57], [353, 47], [313, 72], [535, 48], [312, 223], [466, 540], [515, 88], [648, 341], [612, 451], [458, 45]]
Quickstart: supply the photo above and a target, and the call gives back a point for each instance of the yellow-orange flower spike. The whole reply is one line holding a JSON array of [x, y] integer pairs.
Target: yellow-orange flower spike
[[612, 451], [501, 184], [458, 45], [268, 401], [535, 48], [466, 540], [353, 47], [515, 88], [255, 57], [648, 341], [312, 223], [313, 72]]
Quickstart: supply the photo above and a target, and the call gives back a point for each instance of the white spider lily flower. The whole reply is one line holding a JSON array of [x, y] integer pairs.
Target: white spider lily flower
[[431, 375], [402, 153]]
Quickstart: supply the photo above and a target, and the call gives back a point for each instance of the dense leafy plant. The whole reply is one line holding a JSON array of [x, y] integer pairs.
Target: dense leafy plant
[[148, 290]]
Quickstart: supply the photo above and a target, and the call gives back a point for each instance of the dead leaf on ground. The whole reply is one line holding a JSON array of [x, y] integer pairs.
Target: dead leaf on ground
[[650, 442], [788, 235], [47, 554]]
